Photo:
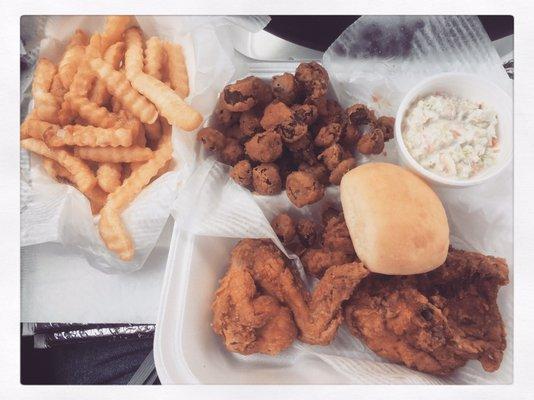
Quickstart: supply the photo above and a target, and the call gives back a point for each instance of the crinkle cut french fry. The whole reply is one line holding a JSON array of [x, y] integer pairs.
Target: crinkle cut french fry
[[57, 89], [97, 198], [78, 38], [177, 69], [116, 105], [133, 58], [131, 123], [36, 128], [118, 85], [108, 176], [111, 226], [49, 166], [154, 57], [114, 155], [69, 64], [168, 102], [113, 55], [92, 113], [84, 77], [45, 103], [153, 131], [82, 175], [114, 27], [91, 136]]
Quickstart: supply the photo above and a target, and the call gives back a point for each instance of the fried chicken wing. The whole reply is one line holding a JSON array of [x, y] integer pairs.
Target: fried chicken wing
[[434, 322], [317, 315], [248, 321], [261, 303]]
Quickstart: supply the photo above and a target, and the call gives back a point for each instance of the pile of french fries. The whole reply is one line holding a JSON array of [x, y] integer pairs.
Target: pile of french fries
[[102, 118]]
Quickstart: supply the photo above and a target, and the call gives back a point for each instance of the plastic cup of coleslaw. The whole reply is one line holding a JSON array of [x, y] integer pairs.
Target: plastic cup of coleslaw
[[472, 88]]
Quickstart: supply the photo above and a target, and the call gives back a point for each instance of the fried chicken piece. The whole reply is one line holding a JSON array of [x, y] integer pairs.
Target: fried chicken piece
[[212, 139], [314, 78], [242, 173], [284, 227], [266, 179], [285, 88], [434, 322], [303, 188], [317, 261], [264, 147], [248, 321], [317, 315]]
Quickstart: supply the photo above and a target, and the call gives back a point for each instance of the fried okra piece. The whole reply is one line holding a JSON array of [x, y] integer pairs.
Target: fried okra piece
[[235, 132], [266, 179], [264, 93], [332, 156], [314, 78], [300, 144], [336, 236], [371, 142], [305, 113], [350, 136], [333, 112], [212, 139], [284, 227], [241, 95], [274, 114], [265, 147], [232, 152], [224, 118], [291, 130], [358, 114], [242, 173], [342, 168], [387, 126], [285, 88], [303, 188], [328, 135], [249, 123], [309, 232], [318, 170]]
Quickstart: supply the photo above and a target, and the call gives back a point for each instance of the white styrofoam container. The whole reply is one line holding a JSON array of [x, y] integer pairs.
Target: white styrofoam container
[[187, 351]]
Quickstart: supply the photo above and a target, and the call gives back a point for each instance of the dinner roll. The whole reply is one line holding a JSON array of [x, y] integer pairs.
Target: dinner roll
[[397, 223]]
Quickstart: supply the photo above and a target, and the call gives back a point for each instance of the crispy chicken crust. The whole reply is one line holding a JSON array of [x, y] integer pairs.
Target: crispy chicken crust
[[434, 322]]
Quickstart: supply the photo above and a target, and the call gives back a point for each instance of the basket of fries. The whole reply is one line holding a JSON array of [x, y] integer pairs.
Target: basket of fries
[[115, 101]]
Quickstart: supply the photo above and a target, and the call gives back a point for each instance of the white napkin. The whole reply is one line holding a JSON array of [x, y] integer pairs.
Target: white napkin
[[212, 205], [54, 212]]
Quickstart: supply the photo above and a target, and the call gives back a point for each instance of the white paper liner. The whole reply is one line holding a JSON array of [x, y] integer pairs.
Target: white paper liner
[[54, 212], [213, 206]]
